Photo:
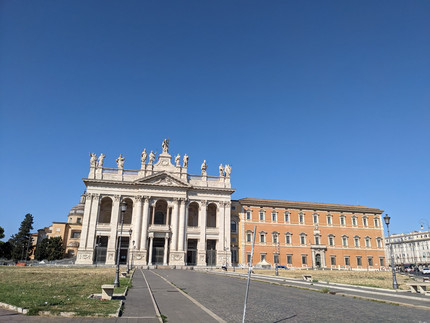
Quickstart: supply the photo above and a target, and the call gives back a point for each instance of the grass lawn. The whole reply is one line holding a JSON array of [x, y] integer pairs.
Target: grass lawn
[[59, 289], [380, 279]]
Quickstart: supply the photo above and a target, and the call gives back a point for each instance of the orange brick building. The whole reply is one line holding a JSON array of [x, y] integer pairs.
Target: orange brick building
[[310, 235]]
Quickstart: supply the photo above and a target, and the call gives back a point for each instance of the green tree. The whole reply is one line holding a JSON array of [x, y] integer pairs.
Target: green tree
[[1, 233], [50, 249], [5, 250], [21, 242]]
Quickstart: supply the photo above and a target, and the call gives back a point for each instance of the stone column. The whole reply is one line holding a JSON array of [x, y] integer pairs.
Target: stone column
[[112, 243], [137, 221], [201, 249], [174, 226], [221, 256], [166, 246], [92, 225], [151, 239], [181, 228], [144, 229], [84, 255], [227, 231]]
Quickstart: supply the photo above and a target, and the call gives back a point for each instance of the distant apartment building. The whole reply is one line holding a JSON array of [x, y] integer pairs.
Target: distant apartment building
[[410, 250], [310, 235]]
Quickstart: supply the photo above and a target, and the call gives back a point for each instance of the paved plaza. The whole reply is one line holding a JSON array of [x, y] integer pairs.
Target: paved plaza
[[194, 296]]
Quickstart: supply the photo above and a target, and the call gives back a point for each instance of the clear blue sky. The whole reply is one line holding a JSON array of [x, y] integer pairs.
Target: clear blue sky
[[319, 101]]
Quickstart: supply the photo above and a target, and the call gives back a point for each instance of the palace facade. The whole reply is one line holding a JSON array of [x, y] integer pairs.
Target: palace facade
[[159, 214], [310, 235]]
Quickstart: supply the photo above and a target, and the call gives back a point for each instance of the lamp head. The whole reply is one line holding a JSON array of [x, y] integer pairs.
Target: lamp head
[[387, 219], [123, 206]]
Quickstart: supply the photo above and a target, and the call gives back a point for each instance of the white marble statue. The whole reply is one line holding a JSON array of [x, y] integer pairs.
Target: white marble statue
[[101, 159], [204, 167], [185, 161], [93, 160], [120, 162], [143, 157], [221, 170], [227, 171], [151, 157], [178, 160], [165, 145]]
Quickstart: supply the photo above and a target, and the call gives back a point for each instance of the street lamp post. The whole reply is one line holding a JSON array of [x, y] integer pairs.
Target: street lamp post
[[387, 222], [128, 256], [118, 250], [277, 252]]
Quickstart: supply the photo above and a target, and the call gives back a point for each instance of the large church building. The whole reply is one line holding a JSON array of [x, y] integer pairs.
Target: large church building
[[162, 215]]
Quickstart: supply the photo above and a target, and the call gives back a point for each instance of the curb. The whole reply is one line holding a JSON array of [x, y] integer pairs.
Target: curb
[[14, 308]]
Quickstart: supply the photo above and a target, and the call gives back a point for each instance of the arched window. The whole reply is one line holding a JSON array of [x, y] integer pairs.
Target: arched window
[[331, 240], [161, 209], [193, 214], [129, 211], [356, 241], [211, 216], [105, 210], [345, 241]]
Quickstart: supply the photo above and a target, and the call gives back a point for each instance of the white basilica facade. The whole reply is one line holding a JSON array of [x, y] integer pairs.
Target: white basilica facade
[[170, 217]]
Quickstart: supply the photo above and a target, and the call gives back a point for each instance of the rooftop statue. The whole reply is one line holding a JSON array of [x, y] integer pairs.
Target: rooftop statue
[[101, 159], [165, 145], [178, 160], [185, 160], [120, 162], [227, 171], [151, 157], [204, 167], [143, 157], [93, 160], [221, 170]]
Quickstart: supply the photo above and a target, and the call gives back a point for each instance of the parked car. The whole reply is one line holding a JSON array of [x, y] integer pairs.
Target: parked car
[[426, 271], [282, 266]]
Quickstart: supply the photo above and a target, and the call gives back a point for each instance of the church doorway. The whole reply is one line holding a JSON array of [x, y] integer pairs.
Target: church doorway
[[100, 250], [192, 252], [158, 251], [211, 252]]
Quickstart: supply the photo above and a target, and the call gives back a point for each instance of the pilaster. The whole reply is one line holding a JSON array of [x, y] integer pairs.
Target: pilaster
[[112, 243], [201, 248]]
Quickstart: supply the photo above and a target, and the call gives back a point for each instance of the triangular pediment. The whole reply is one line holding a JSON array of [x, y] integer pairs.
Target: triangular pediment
[[162, 179]]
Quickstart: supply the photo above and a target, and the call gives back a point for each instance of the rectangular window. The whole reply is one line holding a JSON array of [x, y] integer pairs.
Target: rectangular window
[[275, 238], [342, 220], [365, 222], [78, 220], [248, 237], [276, 259], [356, 242], [345, 241], [354, 221], [262, 237], [248, 215], [248, 258], [370, 261], [287, 239], [376, 223], [302, 240], [262, 257], [261, 216], [76, 235], [331, 241], [315, 218], [333, 260], [274, 217], [289, 259], [379, 243], [329, 222], [301, 218], [382, 261], [359, 261], [287, 217], [304, 259], [346, 260], [368, 242], [317, 240]]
